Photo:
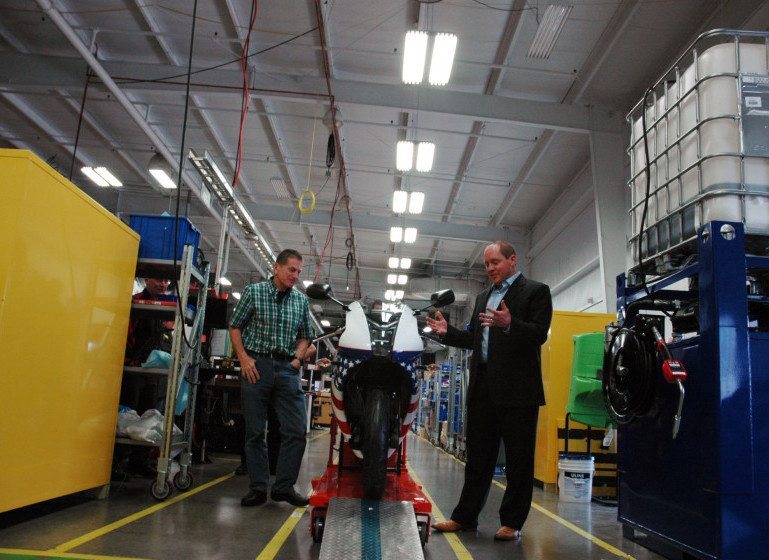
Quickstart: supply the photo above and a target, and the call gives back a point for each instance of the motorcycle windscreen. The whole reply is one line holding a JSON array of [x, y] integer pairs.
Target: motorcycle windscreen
[[407, 337], [356, 335]]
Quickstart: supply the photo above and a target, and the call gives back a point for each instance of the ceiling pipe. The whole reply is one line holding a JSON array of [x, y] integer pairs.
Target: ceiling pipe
[[126, 103]]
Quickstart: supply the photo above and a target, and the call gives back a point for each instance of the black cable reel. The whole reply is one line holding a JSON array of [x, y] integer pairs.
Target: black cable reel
[[630, 369]]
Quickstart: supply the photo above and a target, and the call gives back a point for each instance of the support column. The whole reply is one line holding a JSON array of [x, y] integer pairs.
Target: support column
[[607, 167]]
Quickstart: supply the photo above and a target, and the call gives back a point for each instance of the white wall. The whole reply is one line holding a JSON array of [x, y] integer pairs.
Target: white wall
[[564, 249]]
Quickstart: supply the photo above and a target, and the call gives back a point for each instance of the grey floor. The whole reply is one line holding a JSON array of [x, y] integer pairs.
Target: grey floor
[[211, 523]]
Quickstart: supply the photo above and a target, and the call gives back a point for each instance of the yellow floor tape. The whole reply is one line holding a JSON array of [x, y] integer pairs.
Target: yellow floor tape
[[24, 553], [273, 547], [69, 545], [581, 532]]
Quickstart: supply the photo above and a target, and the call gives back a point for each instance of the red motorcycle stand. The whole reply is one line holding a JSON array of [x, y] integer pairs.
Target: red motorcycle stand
[[343, 479]]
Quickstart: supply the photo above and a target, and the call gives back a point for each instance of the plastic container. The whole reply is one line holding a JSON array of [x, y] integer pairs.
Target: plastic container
[[701, 167], [575, 478], [157, 236]]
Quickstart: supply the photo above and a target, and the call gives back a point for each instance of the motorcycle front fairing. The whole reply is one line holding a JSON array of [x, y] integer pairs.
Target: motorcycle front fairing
[[376, 354]]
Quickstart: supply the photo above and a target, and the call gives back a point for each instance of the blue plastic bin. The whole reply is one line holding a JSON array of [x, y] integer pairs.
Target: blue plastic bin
[[157, 236]]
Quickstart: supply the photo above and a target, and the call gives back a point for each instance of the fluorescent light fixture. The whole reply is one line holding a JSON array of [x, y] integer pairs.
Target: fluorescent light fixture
[[325, 322], [402, 279], [400, 201], [108, 176], [399, 294], [162, 177], [279, 186], [95, 177], [306, 282], [405, 263], [236, 295], [213, 177], [548, 31], [396, 234], [410, 235], [404, 155], [427, 330], [425, 154], [244, 216], [444, 47], [392, 278], [224, 281], [414, 55], [416, 201], [392, 262], [162, 171], [390, 295]]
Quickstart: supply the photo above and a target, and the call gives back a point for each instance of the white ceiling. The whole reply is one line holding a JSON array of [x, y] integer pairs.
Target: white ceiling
[[510, 131]]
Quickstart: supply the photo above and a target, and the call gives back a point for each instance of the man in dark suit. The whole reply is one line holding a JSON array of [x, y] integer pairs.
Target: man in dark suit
[[510, 323]]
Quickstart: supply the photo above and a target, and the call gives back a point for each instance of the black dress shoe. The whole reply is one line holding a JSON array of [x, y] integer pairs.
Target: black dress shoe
[[291, 497], [253, 498]]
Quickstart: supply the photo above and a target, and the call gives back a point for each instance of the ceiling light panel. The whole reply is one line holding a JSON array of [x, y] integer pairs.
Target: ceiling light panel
[[392, 262], [400, 201], [548, 31], [405, 263], [162, 177], [444, 47], [404, 155], [392, 278], [95, 177], [402, 279], [399, 294], [410, 235], [425, 153], [108, 176], [416, 201], [396, 234], [414, 54]]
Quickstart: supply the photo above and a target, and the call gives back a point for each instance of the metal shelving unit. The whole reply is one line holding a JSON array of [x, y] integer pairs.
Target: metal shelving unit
[[186, 357]]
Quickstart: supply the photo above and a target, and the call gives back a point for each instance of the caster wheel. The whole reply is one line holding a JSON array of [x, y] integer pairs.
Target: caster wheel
[[423, 532], [160, 493], [317, 529], [183, 483]]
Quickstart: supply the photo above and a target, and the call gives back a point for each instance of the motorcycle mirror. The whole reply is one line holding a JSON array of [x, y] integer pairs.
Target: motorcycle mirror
[[323, 291], [444, 297], [438, 299], [319, 291]]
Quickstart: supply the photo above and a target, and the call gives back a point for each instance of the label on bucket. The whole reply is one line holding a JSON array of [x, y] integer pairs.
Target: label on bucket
[[577, 476]]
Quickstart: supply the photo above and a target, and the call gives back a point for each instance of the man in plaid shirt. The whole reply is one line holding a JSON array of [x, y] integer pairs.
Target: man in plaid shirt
[[270, 331]]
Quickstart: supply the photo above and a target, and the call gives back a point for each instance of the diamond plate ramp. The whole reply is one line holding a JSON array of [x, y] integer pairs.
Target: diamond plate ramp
[[370, 530]]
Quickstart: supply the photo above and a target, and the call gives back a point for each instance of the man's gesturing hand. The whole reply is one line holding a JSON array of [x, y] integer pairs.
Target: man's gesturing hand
[[439, 324], [494, 318]]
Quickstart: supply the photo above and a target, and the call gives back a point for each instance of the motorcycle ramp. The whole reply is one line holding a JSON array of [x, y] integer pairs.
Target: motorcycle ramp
[[370, 529]]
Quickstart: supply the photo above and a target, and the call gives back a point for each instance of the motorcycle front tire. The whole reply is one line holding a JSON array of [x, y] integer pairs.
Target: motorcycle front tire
[[376, 436]]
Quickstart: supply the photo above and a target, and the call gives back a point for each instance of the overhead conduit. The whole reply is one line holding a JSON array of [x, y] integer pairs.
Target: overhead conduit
[[58, 20]]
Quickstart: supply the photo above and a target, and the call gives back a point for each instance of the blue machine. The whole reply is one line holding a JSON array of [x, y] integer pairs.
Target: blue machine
[[703, 493]]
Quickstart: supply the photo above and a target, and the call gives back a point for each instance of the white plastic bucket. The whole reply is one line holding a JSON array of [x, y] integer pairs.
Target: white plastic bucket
[[575, 478]]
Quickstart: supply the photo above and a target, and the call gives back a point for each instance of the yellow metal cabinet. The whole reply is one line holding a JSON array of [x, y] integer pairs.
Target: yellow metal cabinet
[[557, 355], [66, 276]]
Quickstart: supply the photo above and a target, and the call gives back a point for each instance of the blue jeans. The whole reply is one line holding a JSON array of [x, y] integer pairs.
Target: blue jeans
[[280, 385]]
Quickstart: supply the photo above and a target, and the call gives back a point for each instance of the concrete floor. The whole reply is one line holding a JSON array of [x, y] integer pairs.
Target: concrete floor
[[210, 523]]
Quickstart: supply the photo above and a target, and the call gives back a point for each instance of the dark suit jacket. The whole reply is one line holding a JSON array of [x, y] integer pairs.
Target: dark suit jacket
[[514, 367]]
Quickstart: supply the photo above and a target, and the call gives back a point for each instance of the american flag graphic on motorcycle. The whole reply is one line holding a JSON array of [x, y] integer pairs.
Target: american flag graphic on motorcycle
[[346, 360]]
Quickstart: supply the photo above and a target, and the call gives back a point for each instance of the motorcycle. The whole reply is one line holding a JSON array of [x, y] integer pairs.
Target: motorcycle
[[375, 383]]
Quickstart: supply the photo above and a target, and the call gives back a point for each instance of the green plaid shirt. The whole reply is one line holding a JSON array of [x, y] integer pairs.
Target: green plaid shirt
[[268, 326]]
